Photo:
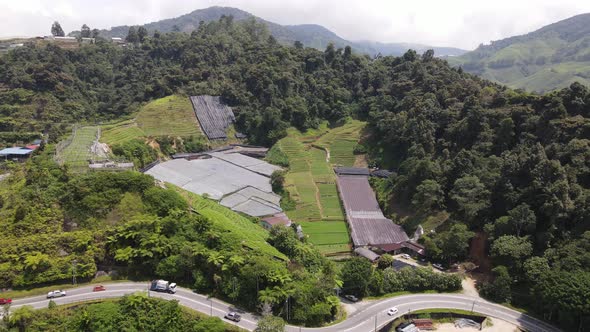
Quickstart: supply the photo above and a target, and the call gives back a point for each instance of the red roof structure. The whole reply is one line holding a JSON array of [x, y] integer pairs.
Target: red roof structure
[[277, 219], [368, 225]]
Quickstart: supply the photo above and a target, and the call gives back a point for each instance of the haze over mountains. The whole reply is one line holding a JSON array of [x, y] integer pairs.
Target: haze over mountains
[[311, 35], [546, 59]]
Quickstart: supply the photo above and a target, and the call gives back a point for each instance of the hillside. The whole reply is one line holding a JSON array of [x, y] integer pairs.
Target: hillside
[[546, 59], [311, 35]]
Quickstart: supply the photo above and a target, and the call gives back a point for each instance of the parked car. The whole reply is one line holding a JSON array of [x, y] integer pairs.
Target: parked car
[[351, 298], [56, 293], [4, 301], [233, 316], [392, 311], [405, 256], [99, 288], [438, 267]]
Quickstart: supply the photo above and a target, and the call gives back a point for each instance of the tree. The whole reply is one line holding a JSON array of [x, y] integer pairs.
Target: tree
[[522, 218], [298, 44], [356, 274], [132, 36], [85, 31], [95, 33], [455, 242], [56, 30], [500, 288], [270, 323], [21, 317], [511, 250], [428, 196], [535, 268], [385, 261], [470, 195], [142, 33]]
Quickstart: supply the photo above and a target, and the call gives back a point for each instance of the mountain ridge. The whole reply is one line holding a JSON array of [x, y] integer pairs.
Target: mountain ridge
[[548, 58], [311, 35]]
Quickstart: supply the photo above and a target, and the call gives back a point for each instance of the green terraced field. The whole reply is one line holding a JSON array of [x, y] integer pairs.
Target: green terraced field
[[168, 116], [120, 132], [311, 181], [77, 153]]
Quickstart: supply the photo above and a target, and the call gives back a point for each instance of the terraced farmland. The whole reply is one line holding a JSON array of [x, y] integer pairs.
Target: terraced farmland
[[168, 116], [75, 151], [311, 181]]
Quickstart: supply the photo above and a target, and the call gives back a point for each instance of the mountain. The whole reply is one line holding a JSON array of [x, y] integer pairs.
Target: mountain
[[546, 59], [311, 35]]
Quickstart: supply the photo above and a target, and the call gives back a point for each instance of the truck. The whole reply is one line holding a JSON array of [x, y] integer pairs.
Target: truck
[[163, 286]]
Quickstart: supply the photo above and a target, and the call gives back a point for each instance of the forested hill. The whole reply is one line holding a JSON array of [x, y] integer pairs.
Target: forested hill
[[311, 35], [512, 166], [549, 58]]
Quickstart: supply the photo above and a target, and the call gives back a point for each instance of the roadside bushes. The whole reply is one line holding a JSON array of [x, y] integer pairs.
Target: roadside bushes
[[419, 279], [361, 279]]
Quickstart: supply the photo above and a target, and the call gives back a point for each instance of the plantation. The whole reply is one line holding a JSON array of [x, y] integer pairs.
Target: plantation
[[76, 150], [311, 182], [168, 116]]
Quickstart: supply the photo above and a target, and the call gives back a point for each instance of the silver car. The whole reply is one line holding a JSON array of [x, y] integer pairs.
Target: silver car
[[56, 293]]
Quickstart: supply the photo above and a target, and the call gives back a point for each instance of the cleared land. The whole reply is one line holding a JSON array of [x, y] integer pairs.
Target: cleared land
[[311, 181], [168, 116], [75, 150]]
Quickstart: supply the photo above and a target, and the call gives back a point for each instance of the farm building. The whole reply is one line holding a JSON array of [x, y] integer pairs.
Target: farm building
[[368, 254], [277, 219], [16, 153], [368, 226], [214, 117], [238, 182]]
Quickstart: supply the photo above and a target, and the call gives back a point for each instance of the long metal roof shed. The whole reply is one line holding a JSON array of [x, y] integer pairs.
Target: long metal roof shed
[[15, 151]]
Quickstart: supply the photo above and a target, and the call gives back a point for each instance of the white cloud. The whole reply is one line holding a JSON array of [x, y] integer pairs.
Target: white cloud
[[459, 23]]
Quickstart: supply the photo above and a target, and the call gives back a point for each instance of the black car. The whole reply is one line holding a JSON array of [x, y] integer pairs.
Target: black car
[[233, 316]]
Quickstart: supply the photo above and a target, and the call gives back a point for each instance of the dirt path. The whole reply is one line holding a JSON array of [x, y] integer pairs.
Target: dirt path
[[469, 287]]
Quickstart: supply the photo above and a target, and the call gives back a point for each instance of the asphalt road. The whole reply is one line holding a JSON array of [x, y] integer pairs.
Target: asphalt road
[[363, 320]]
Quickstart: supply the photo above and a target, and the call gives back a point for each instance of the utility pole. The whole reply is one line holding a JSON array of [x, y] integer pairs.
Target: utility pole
[[74, 272], [211, 303], [473, 306]]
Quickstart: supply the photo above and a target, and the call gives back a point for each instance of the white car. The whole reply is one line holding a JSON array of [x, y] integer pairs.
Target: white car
[[56, 293], [405, 256], [392, 311]]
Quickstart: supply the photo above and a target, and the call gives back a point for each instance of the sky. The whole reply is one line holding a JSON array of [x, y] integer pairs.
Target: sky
[[456, 23]]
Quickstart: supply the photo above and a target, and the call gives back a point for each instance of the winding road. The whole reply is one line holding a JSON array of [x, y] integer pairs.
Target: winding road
[[366, 319]]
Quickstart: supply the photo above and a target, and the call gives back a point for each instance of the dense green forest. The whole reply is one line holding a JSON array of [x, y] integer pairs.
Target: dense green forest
[[510, 165], [135, 312]]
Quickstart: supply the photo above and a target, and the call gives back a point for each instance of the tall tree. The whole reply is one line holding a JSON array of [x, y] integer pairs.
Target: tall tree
[[85, 31], [142, 33], [56, 30], [132, 36]]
